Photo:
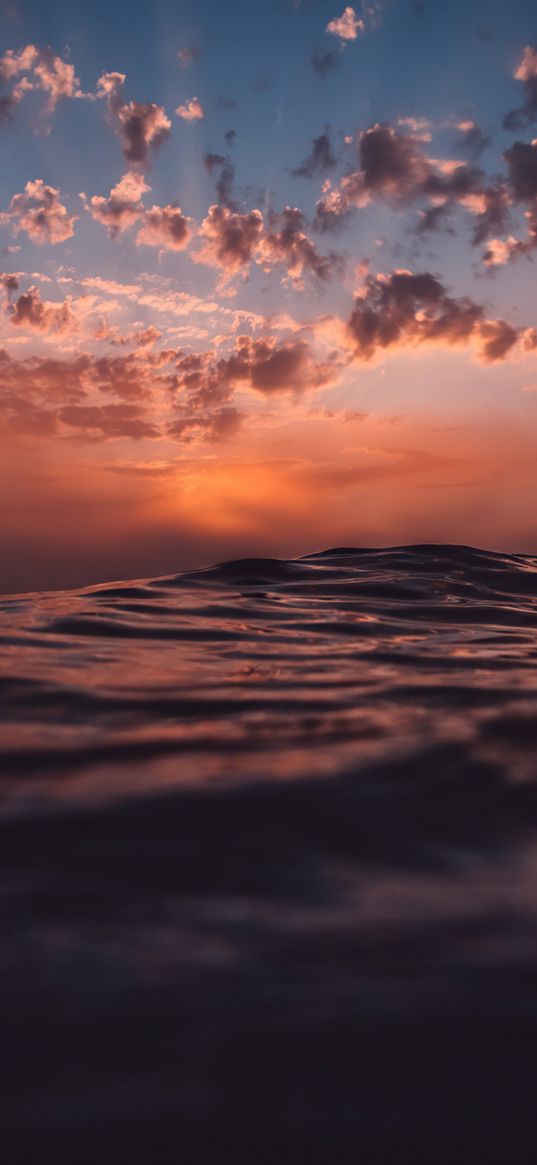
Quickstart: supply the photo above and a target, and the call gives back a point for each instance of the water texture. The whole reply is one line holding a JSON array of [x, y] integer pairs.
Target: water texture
[[269, 862]]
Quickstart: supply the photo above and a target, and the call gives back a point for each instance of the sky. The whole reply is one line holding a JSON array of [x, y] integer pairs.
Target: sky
[[267, 281]]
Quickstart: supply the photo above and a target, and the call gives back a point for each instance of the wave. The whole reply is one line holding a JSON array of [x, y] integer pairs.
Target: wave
[[268, 852]]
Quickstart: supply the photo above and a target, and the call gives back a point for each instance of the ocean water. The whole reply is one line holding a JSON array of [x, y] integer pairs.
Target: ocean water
[[269, 863]]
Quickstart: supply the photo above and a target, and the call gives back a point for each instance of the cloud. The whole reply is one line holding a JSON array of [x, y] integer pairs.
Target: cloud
[[56, 77], [40, 214], [186, 56], [230, 240], [287, 242], [526, 71], [43, 396], [31, 311], [473, 139], [142, 127], [101, 421], [320, 159], [32, 69], [395, 168], [324, 62], [217, 163], [206, 381], [10, 283], [122, 208], [110, 86], [165, 227], [213, 428], [404, 309], [347, 26], [191, 111], [521, 160]]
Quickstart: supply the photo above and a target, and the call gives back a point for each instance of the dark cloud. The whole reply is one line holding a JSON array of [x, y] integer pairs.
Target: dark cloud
[[223, 169], [7, 105], [394, 167], [526, 71], [493, 214], [267, 365], [324, 62], [230, 240], [217, 426], [165, 227], [10, 283], [521, 160], [30, 311], [473, 139], [405, 308], [287, 242], [142, 127], [320, 160], [115, 420]]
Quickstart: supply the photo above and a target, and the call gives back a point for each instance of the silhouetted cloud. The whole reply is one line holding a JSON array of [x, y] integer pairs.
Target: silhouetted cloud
[[473, 139], [394, 167], [286, 241], [320, 159], [412, 309], [225, 170], [526, 71], [142, 127]]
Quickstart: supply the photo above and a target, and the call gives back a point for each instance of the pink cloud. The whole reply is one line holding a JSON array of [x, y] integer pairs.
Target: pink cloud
[[30, 311], [347, 26], [191, 111], [165, 227], [122, 208], [39, 212], [229, 239]]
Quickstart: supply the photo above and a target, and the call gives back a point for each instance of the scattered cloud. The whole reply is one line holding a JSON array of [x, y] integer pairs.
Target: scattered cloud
[[165, 227], [320, 160], [187, 55], [122, 208], [526, 71], [142, 127], [191, 110], [40, 214], [347, 26], [405, 309]]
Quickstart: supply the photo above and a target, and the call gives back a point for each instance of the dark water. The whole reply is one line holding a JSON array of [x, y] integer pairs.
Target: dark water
[[269, 863]]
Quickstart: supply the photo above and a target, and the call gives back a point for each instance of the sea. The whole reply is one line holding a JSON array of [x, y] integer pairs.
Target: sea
[[268, 863]]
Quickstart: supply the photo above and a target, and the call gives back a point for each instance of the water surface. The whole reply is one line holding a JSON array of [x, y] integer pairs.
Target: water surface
[[268, 838]]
